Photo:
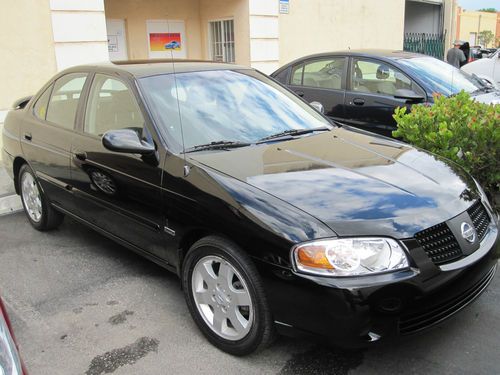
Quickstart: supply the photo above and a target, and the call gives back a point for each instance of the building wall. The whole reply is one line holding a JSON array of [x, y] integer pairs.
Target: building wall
[[136, 12], [323, 25], [27, 58], [212, 10], [474, 22], [264, 35]]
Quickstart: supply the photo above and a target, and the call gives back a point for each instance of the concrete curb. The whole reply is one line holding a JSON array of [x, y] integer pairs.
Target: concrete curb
[[10, 204]]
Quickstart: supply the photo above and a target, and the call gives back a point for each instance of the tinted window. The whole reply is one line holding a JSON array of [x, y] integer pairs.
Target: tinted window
[[441, 77], [226, 105], [40, 108], [378, 78], [297, 75], [282, 76], [64, 99], [111, 106], [326, 73]]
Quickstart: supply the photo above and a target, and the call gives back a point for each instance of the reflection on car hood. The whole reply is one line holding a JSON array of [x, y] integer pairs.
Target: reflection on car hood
[[488, 98], [357, 184]]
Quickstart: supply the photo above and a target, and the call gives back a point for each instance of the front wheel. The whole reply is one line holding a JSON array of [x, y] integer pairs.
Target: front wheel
[[36, 206], [225, 296]]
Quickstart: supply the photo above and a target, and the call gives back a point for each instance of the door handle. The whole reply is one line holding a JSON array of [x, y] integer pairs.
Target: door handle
[[300, 93], [28, 136], [80, 155], [358, 101]]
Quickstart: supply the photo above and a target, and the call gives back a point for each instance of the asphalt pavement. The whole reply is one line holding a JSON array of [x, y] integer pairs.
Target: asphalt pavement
[[81, 304]]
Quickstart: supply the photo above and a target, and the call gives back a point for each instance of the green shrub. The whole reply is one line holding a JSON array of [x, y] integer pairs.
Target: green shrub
[[459, 129]]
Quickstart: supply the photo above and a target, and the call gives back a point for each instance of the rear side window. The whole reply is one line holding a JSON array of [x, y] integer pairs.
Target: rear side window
[[297, 75], [40, 108], [64, 100], [326, 73], [282, 76]]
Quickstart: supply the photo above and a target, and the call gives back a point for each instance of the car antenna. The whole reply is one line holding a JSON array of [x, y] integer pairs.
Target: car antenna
[[186, 166]]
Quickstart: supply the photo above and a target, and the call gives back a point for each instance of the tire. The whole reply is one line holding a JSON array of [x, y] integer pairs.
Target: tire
[[41, 215], [242, 300]]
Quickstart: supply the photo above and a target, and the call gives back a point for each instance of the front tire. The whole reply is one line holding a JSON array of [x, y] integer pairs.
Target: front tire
[[226, 298], [36, 206]]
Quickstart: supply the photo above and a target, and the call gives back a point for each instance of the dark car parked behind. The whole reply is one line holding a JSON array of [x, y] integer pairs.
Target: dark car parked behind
[[274, 218], [362, 88]]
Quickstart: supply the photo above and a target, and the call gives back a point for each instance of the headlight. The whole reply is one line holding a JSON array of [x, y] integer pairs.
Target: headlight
[[10, 364], [350, 256]]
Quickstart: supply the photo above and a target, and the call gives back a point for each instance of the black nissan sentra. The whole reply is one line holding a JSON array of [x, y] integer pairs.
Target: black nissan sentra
[[275, 219]]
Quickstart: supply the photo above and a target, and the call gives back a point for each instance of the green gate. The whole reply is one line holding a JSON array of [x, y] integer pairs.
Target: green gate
[[428, 44]]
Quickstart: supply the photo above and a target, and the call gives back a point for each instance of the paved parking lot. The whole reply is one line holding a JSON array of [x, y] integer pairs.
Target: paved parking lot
[[80, 304]]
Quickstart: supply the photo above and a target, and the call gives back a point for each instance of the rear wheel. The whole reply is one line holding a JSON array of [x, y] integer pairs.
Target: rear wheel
[[225, 296], [36, 206]]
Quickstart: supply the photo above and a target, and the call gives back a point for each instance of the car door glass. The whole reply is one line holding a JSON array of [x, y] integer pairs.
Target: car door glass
[[297, 75], [40, 108], [325, 73], [378, 78], [111, 106], [64, 99]]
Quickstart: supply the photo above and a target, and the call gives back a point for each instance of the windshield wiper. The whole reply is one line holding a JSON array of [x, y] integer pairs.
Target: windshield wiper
[[482, 89], [217, 145], [291, 133]]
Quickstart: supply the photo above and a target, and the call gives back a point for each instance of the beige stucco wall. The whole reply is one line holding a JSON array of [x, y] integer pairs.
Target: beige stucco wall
[[473, 22], [136, 12], [314, 26], [27, 49], [211, 10]]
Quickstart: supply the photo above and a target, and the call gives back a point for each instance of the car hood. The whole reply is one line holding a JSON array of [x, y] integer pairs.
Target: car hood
[[488, 98], [357, 184]]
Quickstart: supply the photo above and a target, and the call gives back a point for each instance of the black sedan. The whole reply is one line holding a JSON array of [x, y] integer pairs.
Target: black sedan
[[362, 88], [274, 218]]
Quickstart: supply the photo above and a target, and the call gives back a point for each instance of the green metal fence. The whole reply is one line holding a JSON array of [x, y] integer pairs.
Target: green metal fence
[[428, 44]]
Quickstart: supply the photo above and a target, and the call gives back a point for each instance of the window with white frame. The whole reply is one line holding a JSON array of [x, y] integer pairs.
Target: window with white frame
[[221, 40]]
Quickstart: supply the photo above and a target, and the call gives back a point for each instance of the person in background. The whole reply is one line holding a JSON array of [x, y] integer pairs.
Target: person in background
[[455, 55], [466, 50]]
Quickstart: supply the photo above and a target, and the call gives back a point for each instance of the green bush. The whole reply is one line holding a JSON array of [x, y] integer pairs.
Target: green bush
[[459, 129]]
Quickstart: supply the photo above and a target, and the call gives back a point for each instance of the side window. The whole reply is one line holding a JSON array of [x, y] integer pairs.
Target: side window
[[111, 106], [378, 78], [297, 75], [326, 73], [63, 102], [282, 76], [40, 108]]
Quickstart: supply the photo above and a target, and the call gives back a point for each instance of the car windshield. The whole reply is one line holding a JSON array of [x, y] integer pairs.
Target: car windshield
[[441, 77], [224, 105]]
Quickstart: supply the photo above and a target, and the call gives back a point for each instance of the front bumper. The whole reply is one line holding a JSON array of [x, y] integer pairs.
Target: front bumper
[[354, 314]]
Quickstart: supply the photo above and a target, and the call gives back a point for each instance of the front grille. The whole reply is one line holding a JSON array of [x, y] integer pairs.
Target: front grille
[[439, 244], [428, 316], [480, 219]]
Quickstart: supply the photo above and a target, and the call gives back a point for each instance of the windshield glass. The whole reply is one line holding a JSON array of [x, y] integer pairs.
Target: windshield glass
[[241, 106], [441, 77]]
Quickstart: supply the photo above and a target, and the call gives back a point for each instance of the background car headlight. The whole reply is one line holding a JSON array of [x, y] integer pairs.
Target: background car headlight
[[350, 256], [10, 363]]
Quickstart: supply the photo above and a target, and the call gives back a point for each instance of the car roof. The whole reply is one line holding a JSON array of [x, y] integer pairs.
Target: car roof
[[145, 68], [383, 54]]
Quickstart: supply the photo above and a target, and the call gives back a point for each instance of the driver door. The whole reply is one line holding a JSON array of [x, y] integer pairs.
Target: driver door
[[118, 192]]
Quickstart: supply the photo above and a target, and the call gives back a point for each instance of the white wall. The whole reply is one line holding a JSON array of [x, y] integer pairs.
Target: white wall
[[264, 35], [79, 30]]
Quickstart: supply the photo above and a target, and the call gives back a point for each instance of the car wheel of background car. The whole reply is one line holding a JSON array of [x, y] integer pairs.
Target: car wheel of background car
[[225, 296], [36, 206]]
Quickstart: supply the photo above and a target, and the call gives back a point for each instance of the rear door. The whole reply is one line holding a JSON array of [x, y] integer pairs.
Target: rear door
[[118, 192], [369, 100], [47, 135], [322, 80]]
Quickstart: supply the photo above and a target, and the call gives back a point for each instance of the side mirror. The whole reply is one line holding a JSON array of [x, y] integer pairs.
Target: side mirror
[[126, 141], [409, 95], [318, 107]]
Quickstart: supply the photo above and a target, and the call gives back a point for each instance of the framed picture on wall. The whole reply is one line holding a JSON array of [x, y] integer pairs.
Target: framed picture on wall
[[166, 38]]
